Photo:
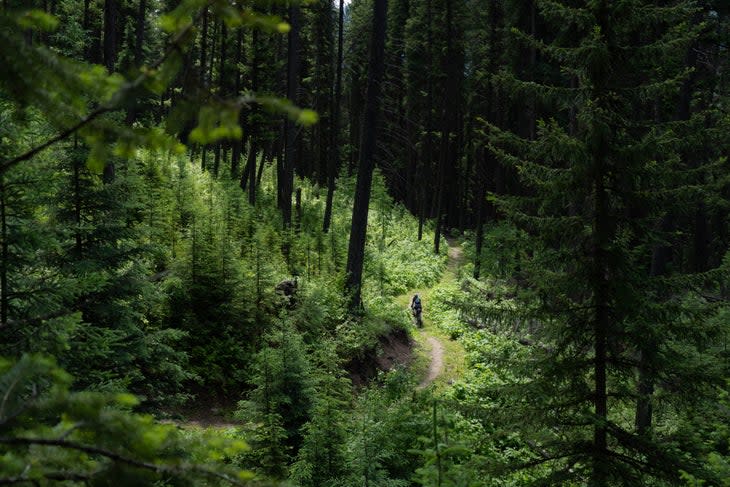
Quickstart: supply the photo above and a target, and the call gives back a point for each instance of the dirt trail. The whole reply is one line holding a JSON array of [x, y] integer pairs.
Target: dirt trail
[[456, 257], [436, 365], [437, 362]]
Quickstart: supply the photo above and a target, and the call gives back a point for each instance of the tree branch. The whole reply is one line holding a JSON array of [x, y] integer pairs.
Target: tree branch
[[116, 100], [92, 450]]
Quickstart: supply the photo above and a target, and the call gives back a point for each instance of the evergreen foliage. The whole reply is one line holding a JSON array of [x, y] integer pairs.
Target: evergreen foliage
[[175, 225], [52, 435]]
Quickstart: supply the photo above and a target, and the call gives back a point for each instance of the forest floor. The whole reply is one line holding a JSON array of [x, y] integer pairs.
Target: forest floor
[[439, 360]]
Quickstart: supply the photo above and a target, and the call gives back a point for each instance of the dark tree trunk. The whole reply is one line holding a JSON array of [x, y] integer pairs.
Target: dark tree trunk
[[236, 158], [222, 90], [252, 174], [4, 256], [204, 47], [250, 171], [78, 248], [139, 32], [334, 160], [298, 211], [85, 22], [110, 48], [222, 73], [238, 145], [604, 233], [203, 68], [211, 63], [425, 207], [448, 157], [480, 191], [701, 238], [484, 158], [265, 156], [290, 129], [661, 256], [216, 159], [111, 34], [600, 327], [358, 232], [138, 53], [248, 178]]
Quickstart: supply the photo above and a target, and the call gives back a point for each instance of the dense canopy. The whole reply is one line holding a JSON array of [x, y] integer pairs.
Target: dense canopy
[[215, 215]]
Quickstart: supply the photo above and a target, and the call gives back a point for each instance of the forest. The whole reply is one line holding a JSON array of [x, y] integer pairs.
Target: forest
[[216, 215]]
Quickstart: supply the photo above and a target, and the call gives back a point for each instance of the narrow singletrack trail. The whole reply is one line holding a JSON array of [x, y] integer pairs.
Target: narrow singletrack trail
[[445, 356], [437, 362]]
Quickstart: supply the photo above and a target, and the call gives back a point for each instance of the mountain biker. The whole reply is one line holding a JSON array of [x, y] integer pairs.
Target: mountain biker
[[416, 309]]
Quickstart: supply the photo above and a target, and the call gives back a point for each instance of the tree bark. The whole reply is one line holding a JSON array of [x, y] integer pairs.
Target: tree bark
[[238, 145], [4, 256], [481, 194], [111, 35], [77, 201], [140, 32], [603, 237], [290, 129], [425, 207], [204, 46], [358, 232], [448, 158], [601, 322], [138, 53], [334, 160]]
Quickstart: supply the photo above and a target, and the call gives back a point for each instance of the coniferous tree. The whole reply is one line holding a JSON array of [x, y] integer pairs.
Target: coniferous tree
[[334, 159], [591, 245], [322, 459], [288, 164], [358, 231]]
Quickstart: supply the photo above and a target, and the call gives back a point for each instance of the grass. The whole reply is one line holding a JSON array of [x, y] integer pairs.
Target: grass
[[454, 359]]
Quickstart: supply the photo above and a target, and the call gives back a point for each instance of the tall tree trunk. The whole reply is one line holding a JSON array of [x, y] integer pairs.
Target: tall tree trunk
[[238, 145], [603, 237], [203, 68], [267, 155], [480, 191], [427, 156], [204, 46], [111, 46], [4, 256], [86, 21], [248, 178], [216, 158], [334, 161], [358, 232], [290, 129], [448, 158], [138, 53], [139, 32], [77, 201], [111, 35], [222, 72], [485, 161], [600, 326], [661, 256]]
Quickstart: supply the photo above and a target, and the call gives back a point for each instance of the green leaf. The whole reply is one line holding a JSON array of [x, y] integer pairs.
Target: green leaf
[[127, 400], [97, 158], [37, 20], [307, 117]]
